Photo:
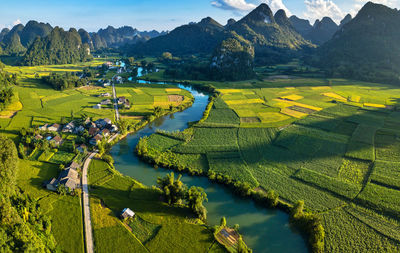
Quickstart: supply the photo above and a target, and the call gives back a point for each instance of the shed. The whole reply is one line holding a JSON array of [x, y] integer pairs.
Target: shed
[[127, 213]]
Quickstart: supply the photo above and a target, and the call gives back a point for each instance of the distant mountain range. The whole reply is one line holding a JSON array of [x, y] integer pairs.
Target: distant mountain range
[[260, 27], [365, 47], [20, 37]]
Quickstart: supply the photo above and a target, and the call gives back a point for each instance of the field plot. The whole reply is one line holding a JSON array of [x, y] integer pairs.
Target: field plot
[[387, 174]]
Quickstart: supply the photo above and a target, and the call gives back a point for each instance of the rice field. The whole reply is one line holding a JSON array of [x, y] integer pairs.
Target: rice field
[[336, 146]]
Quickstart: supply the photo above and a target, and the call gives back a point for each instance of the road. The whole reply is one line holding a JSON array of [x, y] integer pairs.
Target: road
[[115, 102], [86, 205], [87, 220]]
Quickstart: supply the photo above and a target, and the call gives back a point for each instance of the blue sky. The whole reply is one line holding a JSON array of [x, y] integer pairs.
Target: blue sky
[[161, 14]]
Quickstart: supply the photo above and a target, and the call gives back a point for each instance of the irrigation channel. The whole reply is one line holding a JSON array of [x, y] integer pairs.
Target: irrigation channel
[[264, 230]]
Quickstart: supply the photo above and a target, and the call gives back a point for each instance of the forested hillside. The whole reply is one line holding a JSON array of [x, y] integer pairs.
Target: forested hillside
[[366, 48], [60, 47], [23, 228]]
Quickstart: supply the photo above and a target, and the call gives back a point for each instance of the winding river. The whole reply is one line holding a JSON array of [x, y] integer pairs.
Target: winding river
[[264, 230]]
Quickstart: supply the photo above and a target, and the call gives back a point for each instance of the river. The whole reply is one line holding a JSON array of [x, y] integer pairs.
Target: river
[[264, 230]]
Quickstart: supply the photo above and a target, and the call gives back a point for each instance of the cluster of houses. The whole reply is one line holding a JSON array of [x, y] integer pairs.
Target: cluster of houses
[[97, 131], [69, 178]]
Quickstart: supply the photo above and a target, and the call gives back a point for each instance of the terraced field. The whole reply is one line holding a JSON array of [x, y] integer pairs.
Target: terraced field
[[334, 145]]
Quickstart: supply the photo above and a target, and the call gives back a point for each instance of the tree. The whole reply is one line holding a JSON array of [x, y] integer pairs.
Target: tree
[[131, 61], [222, 223], [166, 56], [173, 189], [196, 197]]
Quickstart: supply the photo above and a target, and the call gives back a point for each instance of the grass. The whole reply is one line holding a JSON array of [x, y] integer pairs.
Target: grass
[[62, 157]]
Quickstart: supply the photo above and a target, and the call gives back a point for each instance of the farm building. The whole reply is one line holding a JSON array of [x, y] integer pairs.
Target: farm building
[[98, 106], [127, 213]]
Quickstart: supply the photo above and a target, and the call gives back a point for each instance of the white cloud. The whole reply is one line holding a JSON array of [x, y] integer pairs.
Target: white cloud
[[276, 5], [233, 5], [317, 9], [17, 22]]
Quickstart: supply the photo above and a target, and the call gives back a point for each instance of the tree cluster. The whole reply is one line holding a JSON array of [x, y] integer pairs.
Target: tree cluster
[[175, 192], [64, 81], [23, 227]]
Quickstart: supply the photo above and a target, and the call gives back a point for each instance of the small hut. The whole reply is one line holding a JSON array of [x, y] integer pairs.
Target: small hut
[[127, 213]]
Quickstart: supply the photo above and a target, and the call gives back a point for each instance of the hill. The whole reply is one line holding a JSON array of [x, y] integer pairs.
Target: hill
[[32, 30], [322, 31], [365, 48], [193, 38], [59, 47], [264, 29]]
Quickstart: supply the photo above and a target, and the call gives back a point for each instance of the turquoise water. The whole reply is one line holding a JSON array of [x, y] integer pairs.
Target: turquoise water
[[264, 230]]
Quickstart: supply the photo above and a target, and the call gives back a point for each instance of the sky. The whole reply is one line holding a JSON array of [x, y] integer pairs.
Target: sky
[[162, 14]]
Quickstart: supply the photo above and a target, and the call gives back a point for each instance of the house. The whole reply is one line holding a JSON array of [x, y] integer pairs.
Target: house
[[107, 121], [106, 84], [79, 130], [95, 140], [102, 123], [69, 127], [105, 95], [105, 132], [118, 79], [106, 102], [51, 184], [69, 178], [98, 106], [121, 100], [90, 124], [57, 141], [127, 213], [38, 137], [69, 183], [82, 148], [54, 128], [93, 131], [114, 128], [127, 104], [44, 127]]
